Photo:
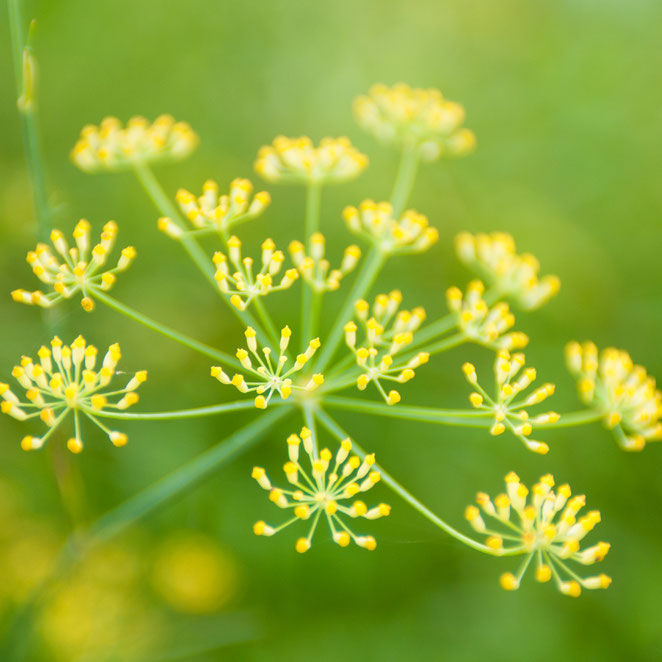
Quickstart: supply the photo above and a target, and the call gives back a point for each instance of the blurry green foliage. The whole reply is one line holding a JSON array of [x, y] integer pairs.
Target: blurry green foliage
[[564, 99]]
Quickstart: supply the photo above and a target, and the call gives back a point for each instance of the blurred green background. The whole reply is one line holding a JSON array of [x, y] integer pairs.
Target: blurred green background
[[564, 99]]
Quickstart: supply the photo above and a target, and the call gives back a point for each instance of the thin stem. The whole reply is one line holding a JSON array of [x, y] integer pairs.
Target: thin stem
[[200, 347], [404, 181], [309, 419], [362, 284], [386, 478], [433, 330], [27, 106], [265, 318], [310, 298], [212, 410], [183, 479], [459, 417], [582, 417], [13, 644], [162, 202], [445, 344]]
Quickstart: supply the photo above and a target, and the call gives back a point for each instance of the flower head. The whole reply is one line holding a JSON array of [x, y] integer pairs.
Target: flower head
[[328, 489], [386, 332], [374, 221], [543, 526], [213, 213], [270, 375], [297, 160], [516, 276], [314, 268], [243, 284], [406, 116], [622, 392], [110, 146], [65, 380], [482, 324], [512, 379], [79, 270]]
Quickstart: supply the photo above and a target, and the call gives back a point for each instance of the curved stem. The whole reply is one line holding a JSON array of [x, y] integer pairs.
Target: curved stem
[[362, 284], [386, 478], [404, 181], [212, 410], [181, 338], [459, 417]]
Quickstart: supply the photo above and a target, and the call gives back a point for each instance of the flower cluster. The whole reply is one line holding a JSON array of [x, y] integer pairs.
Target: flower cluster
[[64, 380], [243, 285], [414, 117], [314, 268], [213, 213], [512, 378], [516, 276], [81, 268], [375, 222], [622, 392], [110, 146], [298, 160], [386, 332], [327, 489], [542, 526], [482, 324], [270, 376]]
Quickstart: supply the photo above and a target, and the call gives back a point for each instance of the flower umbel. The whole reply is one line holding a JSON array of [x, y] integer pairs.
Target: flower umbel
[[542, 526], [298, 160], [213, 213], [386, 332], [314, 268], [81, 269], [64, 380], [516, 276], [512, 379], [110, 146], [407, 116], [270, 376], [375, 222], [623, 392], [327, 489], [482, 324], [244, 285]]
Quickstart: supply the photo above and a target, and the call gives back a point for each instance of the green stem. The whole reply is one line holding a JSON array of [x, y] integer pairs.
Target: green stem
[[362, 284], [213, 353], [164, 205], [212, 410], [445, 344], [310, 298], [404, 181], [582, 417], [16, 638], [386, 478], [433, 330], [459, 417], [309, 420], [29, 125], [265, 318], [182, 479], [167, 208]]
